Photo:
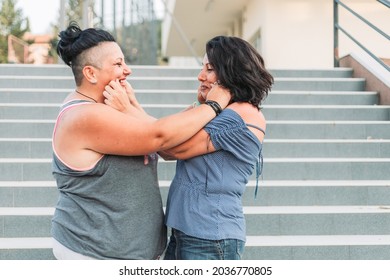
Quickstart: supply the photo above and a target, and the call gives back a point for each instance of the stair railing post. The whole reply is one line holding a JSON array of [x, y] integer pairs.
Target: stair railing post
[[335, 34]]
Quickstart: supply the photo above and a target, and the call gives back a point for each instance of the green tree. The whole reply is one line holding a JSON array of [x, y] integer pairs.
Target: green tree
[[12, 22]]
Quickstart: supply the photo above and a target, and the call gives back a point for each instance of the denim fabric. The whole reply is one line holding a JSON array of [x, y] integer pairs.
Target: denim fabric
[[185, 247]]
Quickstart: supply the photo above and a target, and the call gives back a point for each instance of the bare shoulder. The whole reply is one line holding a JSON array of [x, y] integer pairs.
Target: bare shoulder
[[88, 114], [73, 135], [251, 115]]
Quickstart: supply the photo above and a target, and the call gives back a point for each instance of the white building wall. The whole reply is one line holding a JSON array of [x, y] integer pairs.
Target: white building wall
[[294, 34], [377, 15], [299, 33]]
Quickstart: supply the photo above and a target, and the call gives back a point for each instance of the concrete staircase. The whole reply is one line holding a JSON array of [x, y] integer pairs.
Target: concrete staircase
[[324, 193]]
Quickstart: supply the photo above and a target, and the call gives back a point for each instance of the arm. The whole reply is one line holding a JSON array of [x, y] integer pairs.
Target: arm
[[105, 130], [124, 100], [201, 144], [197, 145]]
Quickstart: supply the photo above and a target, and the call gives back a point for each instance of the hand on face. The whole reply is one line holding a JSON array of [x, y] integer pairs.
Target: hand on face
[[131, 95], [120, 96], [219, 94], [208, 81]]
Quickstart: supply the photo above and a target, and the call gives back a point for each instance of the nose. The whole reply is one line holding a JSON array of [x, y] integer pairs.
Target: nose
[[201, 76], [127, 70]]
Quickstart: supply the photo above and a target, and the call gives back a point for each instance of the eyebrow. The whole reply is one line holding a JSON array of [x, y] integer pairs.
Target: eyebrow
[[118, 59]]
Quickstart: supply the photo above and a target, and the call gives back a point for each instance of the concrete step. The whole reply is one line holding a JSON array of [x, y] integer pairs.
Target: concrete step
[[141, 70], [318, 247], [311, 169], [282, 129], [26, 111], [310, 192], [320, 84], [291, 112], [284, 97], [273, 112], [270, 193], [28, 193], [28, 248], [27, 169], [317, 193], [317, 220], [33, 95], [326, 112], [170, 96], [137, 70], [35, 70], [314, 84], [341, 72], [26, 221], [26, 128], [348, 148], [280, 220], [25, 147], [376, 148]]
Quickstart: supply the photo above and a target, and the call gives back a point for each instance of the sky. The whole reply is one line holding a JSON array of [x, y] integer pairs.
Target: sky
[[43, 13]]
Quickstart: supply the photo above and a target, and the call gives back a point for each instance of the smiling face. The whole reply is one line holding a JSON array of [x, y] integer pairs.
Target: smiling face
[[110, 63], [206, 77]]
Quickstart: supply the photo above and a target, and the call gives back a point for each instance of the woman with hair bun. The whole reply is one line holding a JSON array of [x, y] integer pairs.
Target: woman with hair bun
[[109, 204]]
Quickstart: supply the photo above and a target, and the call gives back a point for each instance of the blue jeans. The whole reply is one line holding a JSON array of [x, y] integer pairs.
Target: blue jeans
[[185, 247]]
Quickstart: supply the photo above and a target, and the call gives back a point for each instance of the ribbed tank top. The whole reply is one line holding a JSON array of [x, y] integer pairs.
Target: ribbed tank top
[[112, 211]]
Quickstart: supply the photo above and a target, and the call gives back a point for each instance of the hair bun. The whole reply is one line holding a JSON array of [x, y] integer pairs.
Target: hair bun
[[67, 38]]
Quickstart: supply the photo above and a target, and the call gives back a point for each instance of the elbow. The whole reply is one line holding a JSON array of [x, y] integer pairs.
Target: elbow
[[159, 137], [166, 155], [181, 156]]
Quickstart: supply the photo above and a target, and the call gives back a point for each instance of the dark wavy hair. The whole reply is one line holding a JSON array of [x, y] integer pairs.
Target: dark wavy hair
[[239, 68], [74, 42]]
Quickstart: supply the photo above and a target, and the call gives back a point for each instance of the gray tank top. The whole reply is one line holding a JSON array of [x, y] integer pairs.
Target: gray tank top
[[112, 211]]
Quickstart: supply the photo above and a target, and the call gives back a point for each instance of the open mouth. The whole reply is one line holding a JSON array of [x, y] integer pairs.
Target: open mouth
[[122, 81]]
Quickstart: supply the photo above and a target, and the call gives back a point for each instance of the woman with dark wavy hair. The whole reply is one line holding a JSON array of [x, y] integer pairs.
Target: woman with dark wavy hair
[[204, 208]]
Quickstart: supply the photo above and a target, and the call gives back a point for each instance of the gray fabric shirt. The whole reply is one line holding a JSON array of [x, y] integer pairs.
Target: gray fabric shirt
[[112, 211]]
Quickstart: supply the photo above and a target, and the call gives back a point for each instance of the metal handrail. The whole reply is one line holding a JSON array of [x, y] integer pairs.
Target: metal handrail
[[385, 2], [337, 27]]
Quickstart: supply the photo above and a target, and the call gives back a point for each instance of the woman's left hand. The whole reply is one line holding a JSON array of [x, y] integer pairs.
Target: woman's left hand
[[122, 98]]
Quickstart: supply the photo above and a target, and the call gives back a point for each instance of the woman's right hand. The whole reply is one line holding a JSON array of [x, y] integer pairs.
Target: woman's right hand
[[219, 94], [131, 95], [122, 98]]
